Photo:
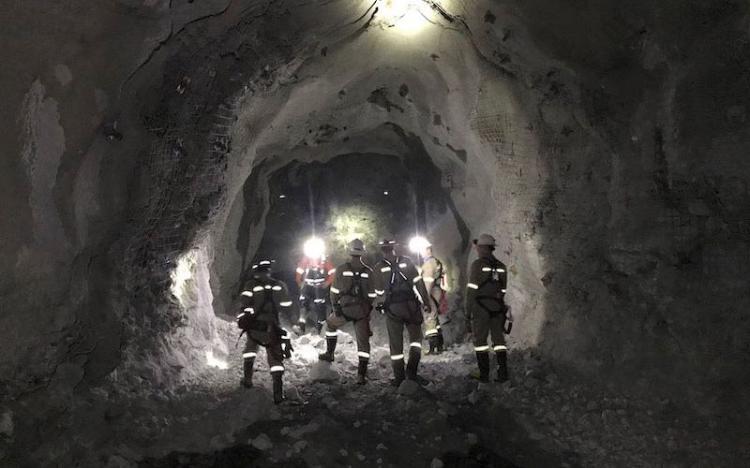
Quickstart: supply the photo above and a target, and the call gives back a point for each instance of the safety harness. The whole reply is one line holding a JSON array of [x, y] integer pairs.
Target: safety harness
[[486, 301]]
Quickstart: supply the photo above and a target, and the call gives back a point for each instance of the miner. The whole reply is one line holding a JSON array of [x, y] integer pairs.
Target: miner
[[314, 275], [486, 311], [352, 295], [396, 278], [433, 275], [262, 298]]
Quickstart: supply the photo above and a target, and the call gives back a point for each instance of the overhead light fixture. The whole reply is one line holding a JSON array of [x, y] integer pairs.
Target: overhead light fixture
[[314, 247], [407, 16]]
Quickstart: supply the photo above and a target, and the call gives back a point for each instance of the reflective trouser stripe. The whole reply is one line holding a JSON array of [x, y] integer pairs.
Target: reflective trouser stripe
[[331, 334], [500, 348], [472, 286], [302, 320], [249, 355], [397, 357], [319, 301], [415, 345], [277, 369], [431, 331], [481, 349], [363, 354]]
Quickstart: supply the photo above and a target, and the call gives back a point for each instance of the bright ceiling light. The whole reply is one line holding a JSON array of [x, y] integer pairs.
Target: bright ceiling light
[[418, 244], [314, 248], [407, 16]]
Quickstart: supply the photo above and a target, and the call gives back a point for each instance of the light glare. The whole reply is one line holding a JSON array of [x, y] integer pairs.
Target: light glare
[[314, 248], [418, 243]]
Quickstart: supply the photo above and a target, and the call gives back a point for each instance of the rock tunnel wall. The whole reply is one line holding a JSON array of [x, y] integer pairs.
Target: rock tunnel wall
[[610, 138]]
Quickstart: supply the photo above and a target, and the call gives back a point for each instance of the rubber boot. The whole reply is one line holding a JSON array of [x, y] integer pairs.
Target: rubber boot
[[330, 348], [278, 388], [362, 371], [433, 344], [483, 362], [502, 366], [440, 341], [415, 355], [247, 368], [398, 372]]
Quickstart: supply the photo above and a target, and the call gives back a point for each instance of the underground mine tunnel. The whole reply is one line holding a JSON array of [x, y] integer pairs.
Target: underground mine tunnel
[[156, 152]]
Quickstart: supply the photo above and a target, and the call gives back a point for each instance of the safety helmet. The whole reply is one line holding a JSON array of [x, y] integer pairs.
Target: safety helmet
[[485, 239], [387, 243], [356, 247], [263, 265]]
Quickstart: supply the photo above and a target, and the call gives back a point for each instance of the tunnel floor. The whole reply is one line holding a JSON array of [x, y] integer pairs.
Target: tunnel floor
[[539, 419]]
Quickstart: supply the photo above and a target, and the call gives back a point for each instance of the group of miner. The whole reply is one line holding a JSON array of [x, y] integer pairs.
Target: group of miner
[[411, 297]]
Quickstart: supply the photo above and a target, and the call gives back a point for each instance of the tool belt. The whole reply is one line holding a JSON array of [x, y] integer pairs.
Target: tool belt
[[493, 305]]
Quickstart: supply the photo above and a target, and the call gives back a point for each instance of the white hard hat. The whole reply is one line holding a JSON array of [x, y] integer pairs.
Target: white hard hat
[[485, 239], [356, 247]]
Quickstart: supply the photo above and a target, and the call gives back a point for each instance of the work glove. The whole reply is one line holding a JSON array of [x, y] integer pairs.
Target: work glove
[[380, 308], [287, 349]]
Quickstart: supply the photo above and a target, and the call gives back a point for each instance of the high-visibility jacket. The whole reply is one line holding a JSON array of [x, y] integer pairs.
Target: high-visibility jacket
[[314, 272], [352, 289], [488, 280], [398, 272]]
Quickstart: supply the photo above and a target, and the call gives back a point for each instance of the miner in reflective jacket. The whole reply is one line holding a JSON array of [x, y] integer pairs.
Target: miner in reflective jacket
[[396, 278], [486, 311], [352, 295], [262, 298]]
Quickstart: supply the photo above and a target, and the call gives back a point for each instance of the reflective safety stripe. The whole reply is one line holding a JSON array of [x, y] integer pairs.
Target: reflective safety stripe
[[247, 293], [277, 288], [416, 279], [481, 348], [503, 290], [499, 270], [415, 345], [285, 303], [331, 271], [241, 315], [331, 334], [249, 355], [486, 269], [372, 295], [363, 354], [347, 273], [258, 288], [432, 331], [428, 279], [500, 348], [268, 286], [472, 286], [302, 320], [277, 368], [365, 275], [402, 265], [264, 262], [300, 270], [335, 290], [380, 292], [319, 301], [397, 357], [385, 269], [249, 309]]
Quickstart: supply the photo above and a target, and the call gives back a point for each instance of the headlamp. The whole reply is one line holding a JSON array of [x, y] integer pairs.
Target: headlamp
[[418, 243], [314, 248]]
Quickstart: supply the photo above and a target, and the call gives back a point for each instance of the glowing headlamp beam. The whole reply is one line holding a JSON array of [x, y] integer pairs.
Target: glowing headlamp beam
[[314, 248], [417, 244]]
